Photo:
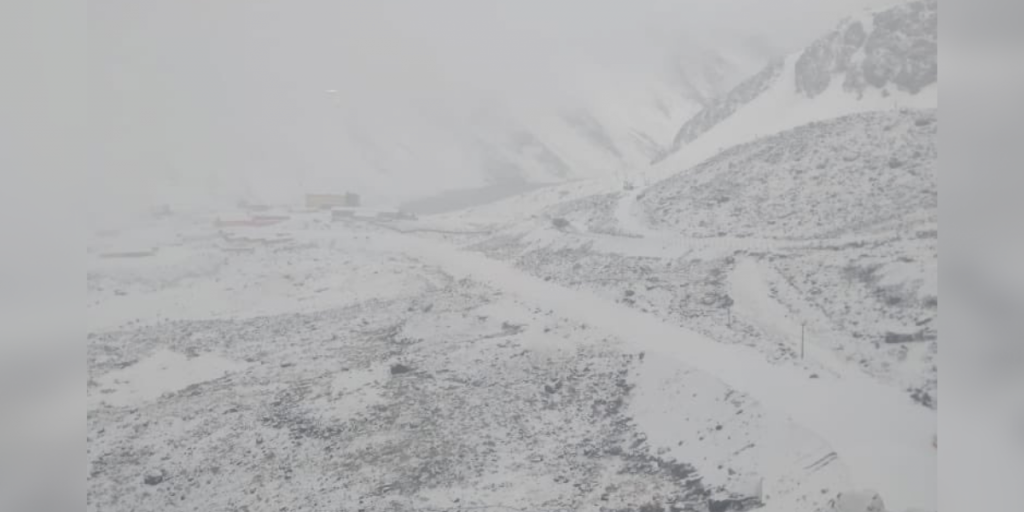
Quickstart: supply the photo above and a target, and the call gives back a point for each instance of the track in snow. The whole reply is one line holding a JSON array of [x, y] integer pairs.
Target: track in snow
[[878, 432]]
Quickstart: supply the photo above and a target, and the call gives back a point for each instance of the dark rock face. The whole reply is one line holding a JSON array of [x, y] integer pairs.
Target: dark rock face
[[899, 49], [560, 223], [896, 48], [723, 108], [733, 504], [398, 369], [154, 477], [814, 67]]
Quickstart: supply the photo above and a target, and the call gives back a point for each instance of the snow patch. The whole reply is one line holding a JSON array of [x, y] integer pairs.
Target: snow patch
[[163, 372]]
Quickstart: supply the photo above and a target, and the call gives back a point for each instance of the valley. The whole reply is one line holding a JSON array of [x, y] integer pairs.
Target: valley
[[742, 316]]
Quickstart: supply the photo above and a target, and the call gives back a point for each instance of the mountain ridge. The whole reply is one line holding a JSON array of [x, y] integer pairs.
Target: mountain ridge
[[857, 63]]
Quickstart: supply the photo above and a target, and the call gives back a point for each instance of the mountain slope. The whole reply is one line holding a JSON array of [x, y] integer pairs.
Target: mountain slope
[[832, 224], [820, 179], [619, 123], [877, 61]]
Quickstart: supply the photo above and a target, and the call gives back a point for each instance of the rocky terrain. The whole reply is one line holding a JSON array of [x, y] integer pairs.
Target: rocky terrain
[[445, 395], [721, 109], [822, 179], [442, 393], [833, 223], [897, 47], [431, 403], [870, 61], [750, 324]]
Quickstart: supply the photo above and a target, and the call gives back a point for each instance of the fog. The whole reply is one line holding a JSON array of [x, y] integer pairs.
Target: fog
[[205, 102], [197, 101]]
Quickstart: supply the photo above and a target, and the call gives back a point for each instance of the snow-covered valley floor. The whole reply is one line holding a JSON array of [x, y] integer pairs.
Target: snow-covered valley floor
[[358, 368]]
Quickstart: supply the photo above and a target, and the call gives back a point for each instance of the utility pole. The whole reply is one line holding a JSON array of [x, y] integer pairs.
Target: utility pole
[[802, 325]]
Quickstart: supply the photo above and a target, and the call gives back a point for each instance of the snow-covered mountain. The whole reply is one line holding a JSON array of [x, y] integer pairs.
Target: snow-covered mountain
[[750, 324], [879, 60], [617, 125], [841, 216]]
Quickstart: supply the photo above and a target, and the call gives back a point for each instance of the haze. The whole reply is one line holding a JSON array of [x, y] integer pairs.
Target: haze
[[200, 102]]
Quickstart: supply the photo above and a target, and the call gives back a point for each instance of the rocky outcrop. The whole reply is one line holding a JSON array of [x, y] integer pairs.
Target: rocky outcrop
[[720, 110], [897, 47]]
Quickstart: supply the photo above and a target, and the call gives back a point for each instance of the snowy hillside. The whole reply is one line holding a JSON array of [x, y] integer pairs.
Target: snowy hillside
[[891, 67], [875, 61], [351, 366], [372, 370], [821, 179], [838, 219]]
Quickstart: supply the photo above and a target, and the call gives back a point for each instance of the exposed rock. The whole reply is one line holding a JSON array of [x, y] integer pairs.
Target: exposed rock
[[723, 108], [154, 477], [901, 49], [733, 504], [897, 47], [398, 369]]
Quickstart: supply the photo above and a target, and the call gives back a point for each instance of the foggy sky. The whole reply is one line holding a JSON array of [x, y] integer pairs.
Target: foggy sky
[[202, 92]]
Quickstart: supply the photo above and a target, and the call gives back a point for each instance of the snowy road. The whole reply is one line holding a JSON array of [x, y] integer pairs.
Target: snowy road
[[876, 430]]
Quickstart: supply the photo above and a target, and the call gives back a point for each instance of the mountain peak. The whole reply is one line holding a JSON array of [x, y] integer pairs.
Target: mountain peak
[[873, 61], [897, 46]]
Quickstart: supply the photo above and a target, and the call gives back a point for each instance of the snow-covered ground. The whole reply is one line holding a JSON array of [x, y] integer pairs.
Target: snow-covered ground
[[822, 179], [847, 245], [847, 279], [749, 323], [393, 369], [882, 454], [552, 351]]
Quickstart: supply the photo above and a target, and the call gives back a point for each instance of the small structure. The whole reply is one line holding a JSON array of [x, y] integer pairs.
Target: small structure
[[909, 335]]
